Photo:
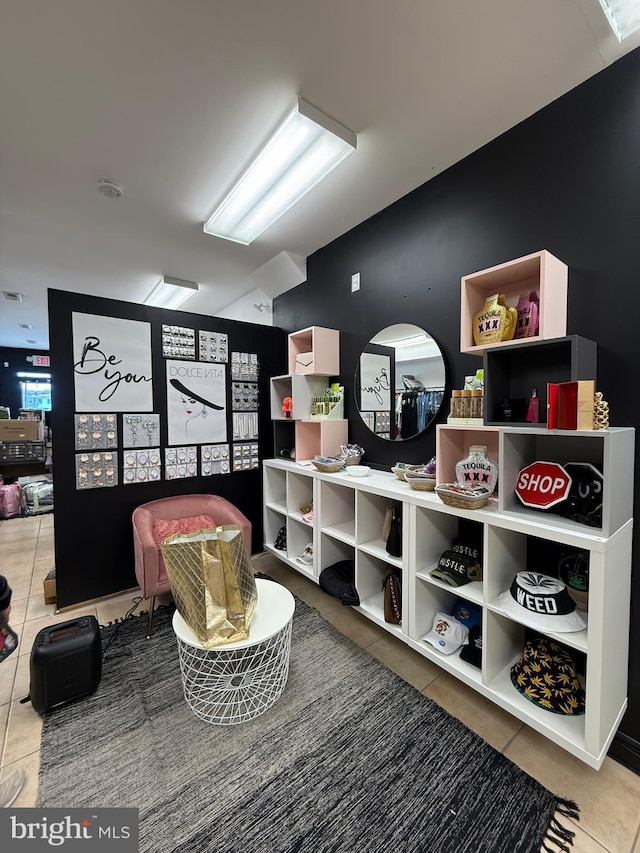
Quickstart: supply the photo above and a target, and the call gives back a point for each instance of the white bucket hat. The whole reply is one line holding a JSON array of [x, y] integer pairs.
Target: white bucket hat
[[542, 602]]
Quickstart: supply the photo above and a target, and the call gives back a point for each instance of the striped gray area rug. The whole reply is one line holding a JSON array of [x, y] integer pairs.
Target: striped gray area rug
[[350, 759]]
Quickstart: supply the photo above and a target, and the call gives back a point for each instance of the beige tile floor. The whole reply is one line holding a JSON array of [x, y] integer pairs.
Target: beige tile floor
[[609, 798]]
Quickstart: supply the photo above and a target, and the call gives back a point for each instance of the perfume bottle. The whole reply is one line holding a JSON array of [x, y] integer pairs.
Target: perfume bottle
[[533, 411], [477, 469]]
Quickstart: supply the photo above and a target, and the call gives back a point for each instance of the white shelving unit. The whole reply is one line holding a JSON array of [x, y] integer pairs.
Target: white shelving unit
[[348, 518], [317, 436]]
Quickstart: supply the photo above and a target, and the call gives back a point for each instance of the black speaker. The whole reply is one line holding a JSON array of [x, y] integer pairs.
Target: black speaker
[[66, 662]]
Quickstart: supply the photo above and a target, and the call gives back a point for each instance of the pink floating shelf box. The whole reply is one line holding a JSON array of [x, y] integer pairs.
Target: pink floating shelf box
[[319, 351], [542, 272], [320, 438], [453, 442]]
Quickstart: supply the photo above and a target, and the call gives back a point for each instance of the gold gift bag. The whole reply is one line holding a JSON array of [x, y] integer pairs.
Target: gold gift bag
[[212, 583]]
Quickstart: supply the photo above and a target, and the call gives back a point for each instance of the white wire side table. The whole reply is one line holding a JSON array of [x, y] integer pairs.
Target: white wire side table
[[235, 682]]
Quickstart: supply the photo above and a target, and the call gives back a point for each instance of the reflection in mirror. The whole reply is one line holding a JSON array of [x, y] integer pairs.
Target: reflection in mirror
[[400, 382]]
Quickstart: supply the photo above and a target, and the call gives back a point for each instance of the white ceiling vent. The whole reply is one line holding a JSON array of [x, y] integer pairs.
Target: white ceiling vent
[[12, 295]]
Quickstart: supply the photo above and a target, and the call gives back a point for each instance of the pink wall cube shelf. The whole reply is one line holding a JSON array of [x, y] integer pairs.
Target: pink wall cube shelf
[[540, 271]]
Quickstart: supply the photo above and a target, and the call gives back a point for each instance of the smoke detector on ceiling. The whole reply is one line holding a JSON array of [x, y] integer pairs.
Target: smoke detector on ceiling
[[109, 188]]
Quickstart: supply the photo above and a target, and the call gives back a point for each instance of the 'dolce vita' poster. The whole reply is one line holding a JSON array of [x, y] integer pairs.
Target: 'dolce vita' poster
[[196, 403]]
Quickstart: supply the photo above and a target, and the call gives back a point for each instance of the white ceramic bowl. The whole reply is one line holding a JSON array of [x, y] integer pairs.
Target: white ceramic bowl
[[357, 470]]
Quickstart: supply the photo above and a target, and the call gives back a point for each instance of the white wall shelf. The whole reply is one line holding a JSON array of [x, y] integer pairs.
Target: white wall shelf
[[348, 518]]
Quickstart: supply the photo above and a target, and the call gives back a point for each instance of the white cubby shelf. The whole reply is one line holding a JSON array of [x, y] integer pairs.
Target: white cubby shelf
[[347, 525]]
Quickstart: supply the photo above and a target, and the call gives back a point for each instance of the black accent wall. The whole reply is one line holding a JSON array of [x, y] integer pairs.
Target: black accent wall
[[94, 542], [566, 180]]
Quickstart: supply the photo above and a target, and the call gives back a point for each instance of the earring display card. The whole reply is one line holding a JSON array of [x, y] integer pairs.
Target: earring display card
[[96, 470], [214, 459], [180, 462], [213, 346], [244, 365], [383, 422], [369, 419], [244, 396], [245, 456], [96, 432], [141, 466], [245, 425], [178, 342], [140, 430]]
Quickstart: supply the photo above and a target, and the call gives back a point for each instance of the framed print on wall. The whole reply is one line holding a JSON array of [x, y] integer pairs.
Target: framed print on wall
[[196, 403], [111, 364]]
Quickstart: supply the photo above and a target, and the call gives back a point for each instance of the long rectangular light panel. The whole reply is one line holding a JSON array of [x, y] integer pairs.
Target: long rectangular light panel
[[171, 292], [303, 149], [623, 16]]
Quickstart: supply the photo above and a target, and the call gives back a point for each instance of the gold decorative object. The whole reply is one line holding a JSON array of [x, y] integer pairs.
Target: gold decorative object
[[496, 321], [600, 412], [212, 583]]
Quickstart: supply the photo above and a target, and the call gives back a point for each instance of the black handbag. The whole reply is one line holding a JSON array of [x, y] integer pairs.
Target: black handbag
[[394, 539]]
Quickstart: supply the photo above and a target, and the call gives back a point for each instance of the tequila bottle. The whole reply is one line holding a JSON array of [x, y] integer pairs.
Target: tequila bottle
[[477, 470]]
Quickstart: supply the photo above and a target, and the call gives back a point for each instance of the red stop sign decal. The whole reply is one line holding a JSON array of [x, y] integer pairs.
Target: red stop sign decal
[[543, 484]]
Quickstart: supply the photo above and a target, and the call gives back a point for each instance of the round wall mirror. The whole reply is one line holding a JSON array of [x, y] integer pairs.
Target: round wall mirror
[[400, 382]]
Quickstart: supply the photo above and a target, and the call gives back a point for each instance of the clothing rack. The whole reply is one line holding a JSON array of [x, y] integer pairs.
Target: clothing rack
[[415, 408]]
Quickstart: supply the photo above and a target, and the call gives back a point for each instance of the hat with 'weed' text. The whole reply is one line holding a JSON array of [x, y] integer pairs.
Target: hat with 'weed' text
[[542, 602]]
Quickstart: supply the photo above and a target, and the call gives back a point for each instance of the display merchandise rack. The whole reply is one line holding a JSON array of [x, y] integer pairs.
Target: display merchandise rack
[[349, 513]]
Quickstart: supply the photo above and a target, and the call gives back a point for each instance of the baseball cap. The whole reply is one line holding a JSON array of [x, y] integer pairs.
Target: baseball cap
[[467, 612], [472, 652], [574, 571], [542, 602], [447, 634], [455, 569], [307, 555]]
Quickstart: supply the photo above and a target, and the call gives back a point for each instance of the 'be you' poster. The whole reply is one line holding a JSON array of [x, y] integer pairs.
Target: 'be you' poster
[[111, 364]]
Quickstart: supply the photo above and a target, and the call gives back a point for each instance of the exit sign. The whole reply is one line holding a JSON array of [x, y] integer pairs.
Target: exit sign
[[41, 360]]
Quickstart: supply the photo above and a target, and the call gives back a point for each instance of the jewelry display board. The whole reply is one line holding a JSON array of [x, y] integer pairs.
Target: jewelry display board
[[95, 432], [214, 459], [244, 365], [178, 342], [245, 425], [141, 466], [96, 470], [180, 462], [213, 346], [140, 430], [246, 456]]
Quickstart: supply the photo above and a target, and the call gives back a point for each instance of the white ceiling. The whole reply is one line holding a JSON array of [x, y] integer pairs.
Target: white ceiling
[[171, 97]]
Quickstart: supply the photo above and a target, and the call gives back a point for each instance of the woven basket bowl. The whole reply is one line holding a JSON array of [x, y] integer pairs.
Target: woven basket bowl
[[328, 469], [458, 500], [352, 460], [420, 483], [399, 472]]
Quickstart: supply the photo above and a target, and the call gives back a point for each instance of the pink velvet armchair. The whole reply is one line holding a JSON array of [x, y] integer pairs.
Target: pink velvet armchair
[[151, 573]]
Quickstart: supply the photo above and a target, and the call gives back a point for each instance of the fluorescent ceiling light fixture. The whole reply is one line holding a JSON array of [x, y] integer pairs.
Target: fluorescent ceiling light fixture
[[25, 375], [171, 292], [303, 149], [623, 16]]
